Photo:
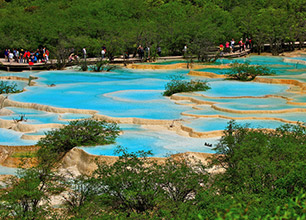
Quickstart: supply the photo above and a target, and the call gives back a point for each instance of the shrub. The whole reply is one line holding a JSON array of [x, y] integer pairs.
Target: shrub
[[263, 161], [28, 194], [102, 66], [247, 72], [7, 87], [83, 65], [178, 84], [137, 185], [78, 133]]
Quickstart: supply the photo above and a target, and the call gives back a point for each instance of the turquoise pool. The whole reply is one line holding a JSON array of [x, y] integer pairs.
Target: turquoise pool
[[126, 93]]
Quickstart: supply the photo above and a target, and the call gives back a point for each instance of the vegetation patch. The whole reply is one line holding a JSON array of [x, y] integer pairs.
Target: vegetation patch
[[178, 84], [263, 178], [78, 133], [24, 154], [8, 87], [247, 72]]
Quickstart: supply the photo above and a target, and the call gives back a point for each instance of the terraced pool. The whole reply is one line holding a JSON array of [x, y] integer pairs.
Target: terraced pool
[[134, 99]]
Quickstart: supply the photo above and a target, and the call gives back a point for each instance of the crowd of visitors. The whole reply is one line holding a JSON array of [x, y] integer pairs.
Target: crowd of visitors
[[42, 55], [230, 46], [26, 56], [146, 52]]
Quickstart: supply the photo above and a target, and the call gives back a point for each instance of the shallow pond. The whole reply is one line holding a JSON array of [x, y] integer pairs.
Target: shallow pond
[[126, 93]]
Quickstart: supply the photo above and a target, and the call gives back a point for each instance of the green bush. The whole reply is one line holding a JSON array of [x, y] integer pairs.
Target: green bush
[[83, 65], [7, 87], [137, 186], [247, 72], [262, 161], [102, 66], [78, 133], [178, 84], [263, 178]]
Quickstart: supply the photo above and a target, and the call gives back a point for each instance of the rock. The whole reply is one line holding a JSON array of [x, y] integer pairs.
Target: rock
[[5, 111]]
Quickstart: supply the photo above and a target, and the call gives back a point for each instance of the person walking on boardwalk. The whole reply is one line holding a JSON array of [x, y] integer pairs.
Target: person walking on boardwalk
[[227, 47], [103, 52], [185, 50], [10, 56], [84, 53], [159, 51], [46, 55], [140, 51], [221, 48], [241, 44], [247, 43], [21, 56], [232, 45], [6, 54]]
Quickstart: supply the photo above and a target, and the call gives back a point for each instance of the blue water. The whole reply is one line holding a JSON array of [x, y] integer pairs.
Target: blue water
[[236, 89], [138, 93], [71, 116], [207, 111], [259, 60], [214, 124], [90, 95], [160, 143], [20, 85], [33, 116], [13, 138], [7, 170]]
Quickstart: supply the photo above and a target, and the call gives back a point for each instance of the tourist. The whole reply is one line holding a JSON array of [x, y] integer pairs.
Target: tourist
[[10, 56], [247, 43], [21, 56], [84, 53], [221, 48], [41, 55], [185, 50], [140, 52], [46, 55], [14, 53], [250, 43], [148, 52], [26, 56], [37, 55], [17, 56], [103, 51], [6, 54], [33, 59], [126, 55], [159, 51], [227, 47], [232, 45], [71, 57], [241, 44]]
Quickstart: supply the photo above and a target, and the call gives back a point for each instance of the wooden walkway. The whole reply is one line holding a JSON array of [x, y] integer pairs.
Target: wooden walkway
[[14, 66]]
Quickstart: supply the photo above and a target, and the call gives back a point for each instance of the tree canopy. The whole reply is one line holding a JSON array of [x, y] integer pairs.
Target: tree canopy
[[123, 24], [262, 176]]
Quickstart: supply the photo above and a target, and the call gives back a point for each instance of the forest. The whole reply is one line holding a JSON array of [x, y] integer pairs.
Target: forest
[[261, 172], [260, 175], [122, 25]]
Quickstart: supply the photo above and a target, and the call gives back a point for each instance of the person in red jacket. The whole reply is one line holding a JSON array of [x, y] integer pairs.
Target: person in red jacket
[[241, 44]]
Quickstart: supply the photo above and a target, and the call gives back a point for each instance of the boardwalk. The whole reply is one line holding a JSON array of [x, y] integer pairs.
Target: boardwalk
[[14, 66]]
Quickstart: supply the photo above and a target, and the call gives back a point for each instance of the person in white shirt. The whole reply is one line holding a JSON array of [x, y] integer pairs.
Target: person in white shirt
[[11, 56], [84, 52], [103, 53], [232, 45]]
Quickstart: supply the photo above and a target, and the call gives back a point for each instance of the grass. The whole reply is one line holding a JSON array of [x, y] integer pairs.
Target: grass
[[24, 154]]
